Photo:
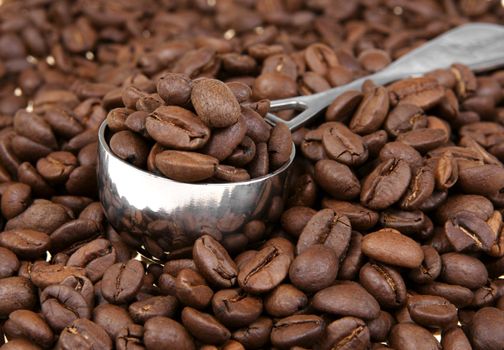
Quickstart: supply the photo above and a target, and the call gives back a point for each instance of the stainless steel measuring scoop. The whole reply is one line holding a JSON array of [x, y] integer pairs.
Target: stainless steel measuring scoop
[[161, 216]]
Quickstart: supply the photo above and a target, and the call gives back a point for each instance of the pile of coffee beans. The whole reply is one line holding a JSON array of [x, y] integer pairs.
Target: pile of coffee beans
[[391, 234], [221, 141]]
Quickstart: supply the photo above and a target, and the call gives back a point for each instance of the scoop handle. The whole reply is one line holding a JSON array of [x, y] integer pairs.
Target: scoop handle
[[480, 46]]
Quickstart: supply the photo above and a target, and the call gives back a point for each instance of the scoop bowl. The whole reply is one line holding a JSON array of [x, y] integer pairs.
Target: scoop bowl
[[162, 217]]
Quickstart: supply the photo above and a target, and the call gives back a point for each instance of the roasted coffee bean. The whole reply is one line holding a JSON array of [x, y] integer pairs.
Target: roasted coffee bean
[[347, 299], [346, 333], [424, 92], [297, 330], [130, 147], [279, 146], [215, 103], [176, 127], [29, 325], [486, 329], [256, 335], [372, 112], [83, 332], [130, 337], [28, 244], [467, 231], [185, 166], [143, 310], [62, 305], [379, 328], [284, 301], [235, 308], [432, 311], [16, 293], [20, 344], [314, 269], [343, 106], [112, 318], [391, 247], [214, 263], [43, 274], [403, 118], [411, 223], [174, 89], [192, 290], [343, 145], [400, 150], [73, 232], [162, 333], [9, 263], [265, 270], [409, 336], [386, 184], [42, 216], [384, 283], [360, 217], [463, 270], [458, 295], [329, 228], [204, 327], [57, 166], [122, 281], [96, 257], [430, 268], [15, 199], [454, 338], [337, 179]]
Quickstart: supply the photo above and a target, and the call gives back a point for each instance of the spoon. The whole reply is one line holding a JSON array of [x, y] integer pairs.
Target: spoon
[[162, 217]]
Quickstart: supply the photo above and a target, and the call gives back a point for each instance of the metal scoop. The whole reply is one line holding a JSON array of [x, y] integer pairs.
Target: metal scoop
[[162, 217]]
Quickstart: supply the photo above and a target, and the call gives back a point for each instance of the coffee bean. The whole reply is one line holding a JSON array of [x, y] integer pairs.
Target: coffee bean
[[279, 145], [314, 269], [385, 184], [215, 103], [28, 244], [16, 293], [297, 330], [83, 331], [284, 301], [329, 228], [343, 145], [192, 290], [486, 329], [96, 257], [143, 310], [122, 281], [161, 333], [204, 327], [29, 325], [214, 262], [235, 308], [410, 336], [265, 270], [337, 179], [61, 305], [384, 283], [466, 231], [360, 217], [432, 311], [177, 127], [430, 268], [174, 89], [346, 333], [463, 270], [383, 245], [185, 166], [379, 328], [20, 344], [256, 335], [372, 112], [111, 318], [9, 263], [454, 338], [346, 299], [343, 106], [130, 147], [15, 199]]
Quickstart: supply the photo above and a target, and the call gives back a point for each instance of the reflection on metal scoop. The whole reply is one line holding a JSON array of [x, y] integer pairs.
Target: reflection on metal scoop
[[161, 216]]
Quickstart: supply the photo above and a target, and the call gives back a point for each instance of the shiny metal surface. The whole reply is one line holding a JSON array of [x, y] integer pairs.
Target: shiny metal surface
[[477, 45], [159, 215]]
